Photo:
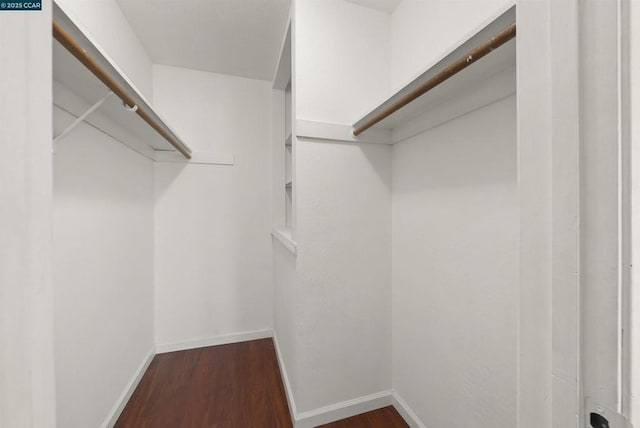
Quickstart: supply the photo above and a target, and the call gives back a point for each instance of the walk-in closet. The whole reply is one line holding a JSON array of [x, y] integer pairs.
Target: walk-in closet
[[318, 213]]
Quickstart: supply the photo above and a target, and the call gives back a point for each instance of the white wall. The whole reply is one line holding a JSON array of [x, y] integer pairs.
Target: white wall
[[103, 271], [285, 282], [455, 270], [109, 28], [600, 221], [635, 138], [103, 243], [342, 60], [560, 289], [213, 222], [27, 389], [344, 272], [333, 316], [422, 31], [286, 315]]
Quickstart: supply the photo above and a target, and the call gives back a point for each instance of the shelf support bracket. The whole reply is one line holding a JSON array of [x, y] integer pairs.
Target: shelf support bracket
[[82, 117]]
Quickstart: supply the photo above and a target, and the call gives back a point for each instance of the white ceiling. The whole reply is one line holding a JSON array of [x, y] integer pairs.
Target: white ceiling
[[387, 6], [237, 37]]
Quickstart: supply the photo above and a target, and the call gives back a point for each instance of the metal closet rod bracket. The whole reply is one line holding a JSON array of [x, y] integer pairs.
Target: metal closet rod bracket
[[82, 117]]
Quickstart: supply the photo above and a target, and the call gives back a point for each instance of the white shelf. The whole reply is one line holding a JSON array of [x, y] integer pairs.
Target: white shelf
[[75, 88], [488, 80], [324, 131]]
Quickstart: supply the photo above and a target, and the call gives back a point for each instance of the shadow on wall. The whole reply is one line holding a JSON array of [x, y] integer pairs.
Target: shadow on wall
[[102, 270], [344, 271], [455, 234], [370, 151], [213, 249], [171, 173], [213, 222], [471, 156]]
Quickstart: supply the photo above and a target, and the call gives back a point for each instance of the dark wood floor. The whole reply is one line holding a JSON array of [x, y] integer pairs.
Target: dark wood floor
[[387, 417], [235, 385], [227, 386]]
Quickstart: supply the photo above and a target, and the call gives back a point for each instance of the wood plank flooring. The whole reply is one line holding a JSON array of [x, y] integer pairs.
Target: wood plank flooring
[[227, 386], [236, 385], [387, 417]]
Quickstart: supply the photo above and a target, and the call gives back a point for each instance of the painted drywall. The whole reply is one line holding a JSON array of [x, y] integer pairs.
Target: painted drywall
[[600, 216], [285, 316], [342, 60], [635, 141], [387, 6], [27, 389], [106, 24], [332, 300], [455, 270], [213, 222], [423, 31], [536, 186], [227, 37], [103, 271], [565, 282], [343, 291], [284, 261]]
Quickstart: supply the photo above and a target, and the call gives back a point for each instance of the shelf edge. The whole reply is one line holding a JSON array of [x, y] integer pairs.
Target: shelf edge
[[197, 158], [90, 48], [503, 18], [493, 90], [323, 131]]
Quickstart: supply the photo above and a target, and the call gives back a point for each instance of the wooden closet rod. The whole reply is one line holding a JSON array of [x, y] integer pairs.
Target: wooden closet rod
[[77, 51], [496, 41]]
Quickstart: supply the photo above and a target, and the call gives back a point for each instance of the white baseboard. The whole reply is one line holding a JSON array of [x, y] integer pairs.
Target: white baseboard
[[213, 341], [343, 410], [308, 419], [285, 380], [334, 412], [114, 414], [405, 411]]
